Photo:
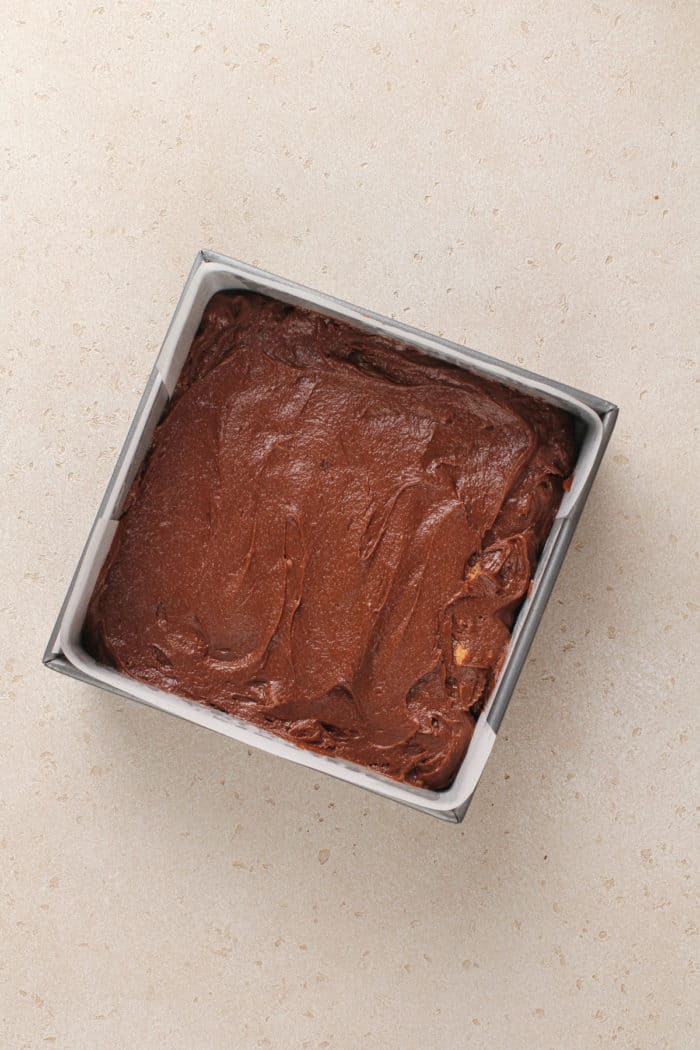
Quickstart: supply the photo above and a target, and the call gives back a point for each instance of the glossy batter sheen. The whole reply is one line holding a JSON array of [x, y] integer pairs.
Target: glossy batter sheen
[[331, 537]]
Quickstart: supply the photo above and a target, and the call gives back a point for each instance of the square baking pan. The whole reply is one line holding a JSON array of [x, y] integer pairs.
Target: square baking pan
[[213, 273]]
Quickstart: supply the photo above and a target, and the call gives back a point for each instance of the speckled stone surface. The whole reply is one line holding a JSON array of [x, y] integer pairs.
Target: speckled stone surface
[[516, 176]]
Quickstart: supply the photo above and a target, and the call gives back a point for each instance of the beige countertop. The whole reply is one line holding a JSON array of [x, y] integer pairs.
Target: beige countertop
[[518, 177]]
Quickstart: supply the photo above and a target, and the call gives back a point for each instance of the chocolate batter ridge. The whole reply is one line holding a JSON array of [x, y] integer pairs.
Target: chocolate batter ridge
[[330, 538]]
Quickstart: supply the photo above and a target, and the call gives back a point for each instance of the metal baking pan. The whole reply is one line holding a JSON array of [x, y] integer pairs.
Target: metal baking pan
[[213, 273]]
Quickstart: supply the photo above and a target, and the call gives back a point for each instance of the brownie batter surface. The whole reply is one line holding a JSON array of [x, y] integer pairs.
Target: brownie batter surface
[[330, 538]]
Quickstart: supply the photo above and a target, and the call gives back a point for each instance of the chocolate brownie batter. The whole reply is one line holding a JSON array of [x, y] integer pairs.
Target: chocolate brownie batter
[[330, 538]]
